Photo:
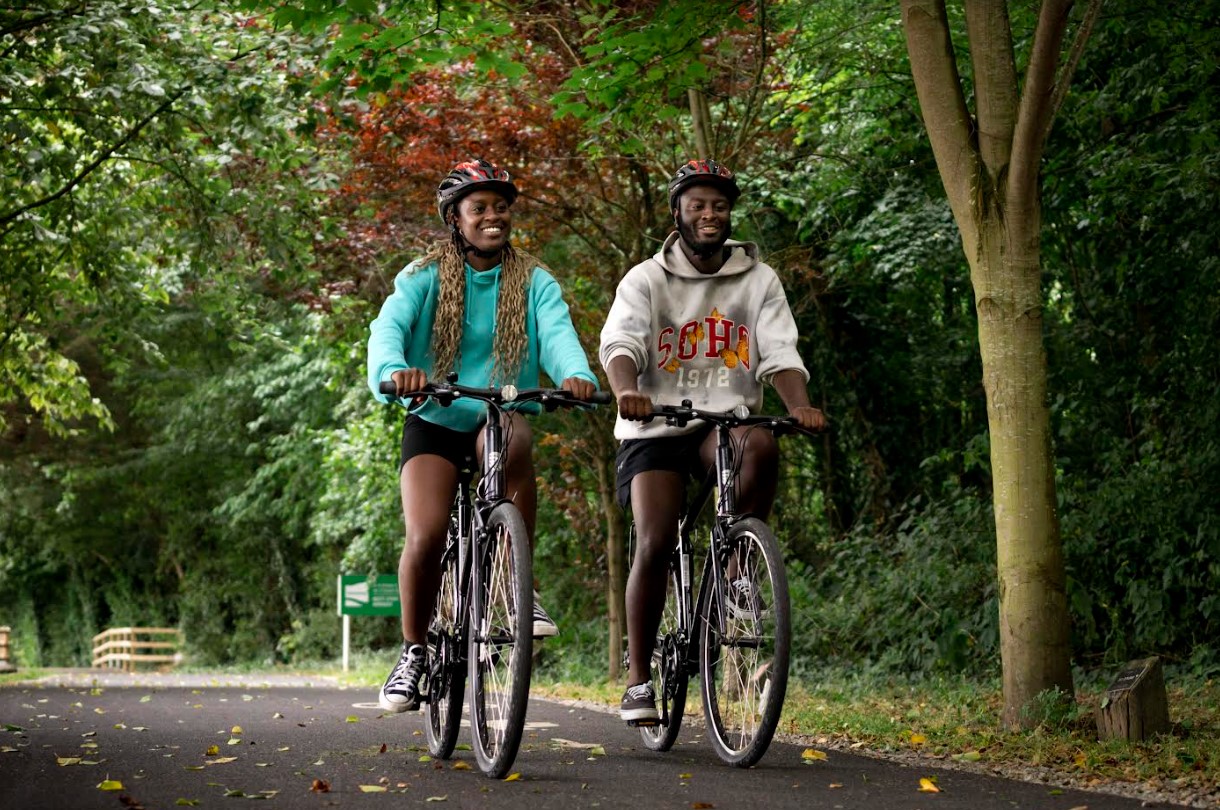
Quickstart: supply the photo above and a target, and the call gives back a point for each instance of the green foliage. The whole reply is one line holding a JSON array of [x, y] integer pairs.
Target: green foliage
[[920, 597]]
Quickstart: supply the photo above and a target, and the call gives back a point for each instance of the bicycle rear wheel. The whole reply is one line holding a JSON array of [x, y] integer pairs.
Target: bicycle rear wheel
[[446, 663], [668, 668], [745, 636], [501, 641]]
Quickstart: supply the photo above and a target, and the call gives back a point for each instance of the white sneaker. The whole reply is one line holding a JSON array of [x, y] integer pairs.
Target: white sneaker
[[400, 692], [544, 626]]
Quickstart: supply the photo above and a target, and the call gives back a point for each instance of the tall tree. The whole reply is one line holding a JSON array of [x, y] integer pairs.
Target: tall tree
[[989, 164]]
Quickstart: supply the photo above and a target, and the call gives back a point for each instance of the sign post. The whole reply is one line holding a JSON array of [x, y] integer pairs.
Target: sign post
[[365, 595]]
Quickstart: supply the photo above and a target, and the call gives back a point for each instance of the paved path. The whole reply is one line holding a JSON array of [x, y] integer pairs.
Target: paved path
[[171, 742]]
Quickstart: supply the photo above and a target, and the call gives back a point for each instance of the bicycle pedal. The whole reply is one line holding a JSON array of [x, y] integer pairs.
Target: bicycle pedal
[[647, 722]]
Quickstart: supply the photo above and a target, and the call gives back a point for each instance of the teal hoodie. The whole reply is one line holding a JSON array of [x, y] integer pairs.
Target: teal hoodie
[[401, 337]]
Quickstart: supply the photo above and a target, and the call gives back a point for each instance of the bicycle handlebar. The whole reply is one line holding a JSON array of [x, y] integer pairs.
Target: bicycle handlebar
[[447, 392], [679, 415]]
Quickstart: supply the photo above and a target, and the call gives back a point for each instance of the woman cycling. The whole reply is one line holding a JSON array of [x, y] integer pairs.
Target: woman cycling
[[475, 306]]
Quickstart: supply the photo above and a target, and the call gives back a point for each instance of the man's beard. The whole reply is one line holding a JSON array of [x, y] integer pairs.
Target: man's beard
[[703, 250]]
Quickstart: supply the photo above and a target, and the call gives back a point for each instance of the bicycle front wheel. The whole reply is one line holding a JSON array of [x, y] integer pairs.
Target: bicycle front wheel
[[446, 663], [501, 641], [668, 668], [745, 638]]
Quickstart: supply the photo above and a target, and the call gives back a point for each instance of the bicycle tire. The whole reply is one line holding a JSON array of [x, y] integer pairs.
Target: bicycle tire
[[670, 676], [501, 641], [744, 670], [446, 661]]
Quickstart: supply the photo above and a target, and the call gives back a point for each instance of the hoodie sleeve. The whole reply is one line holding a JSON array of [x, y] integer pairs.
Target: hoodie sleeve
[[391, 331], [560, 353], [776, 333], [629, 322]]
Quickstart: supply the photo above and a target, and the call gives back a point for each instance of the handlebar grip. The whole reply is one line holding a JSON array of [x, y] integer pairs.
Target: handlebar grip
[[601, 398], [388, 388]]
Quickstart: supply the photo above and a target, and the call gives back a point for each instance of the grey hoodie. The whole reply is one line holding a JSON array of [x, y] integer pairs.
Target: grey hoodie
[[712, 339]]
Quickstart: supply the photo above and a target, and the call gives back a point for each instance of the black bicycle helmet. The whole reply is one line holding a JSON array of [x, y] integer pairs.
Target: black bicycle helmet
[[469, 176], [706, 173]]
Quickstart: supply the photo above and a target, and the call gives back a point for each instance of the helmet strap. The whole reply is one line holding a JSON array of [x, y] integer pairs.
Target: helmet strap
[[465, 247]]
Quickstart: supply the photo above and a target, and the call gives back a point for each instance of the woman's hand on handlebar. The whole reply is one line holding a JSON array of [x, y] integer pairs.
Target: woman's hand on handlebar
[[411, 379], [809, 417], [579, 387]]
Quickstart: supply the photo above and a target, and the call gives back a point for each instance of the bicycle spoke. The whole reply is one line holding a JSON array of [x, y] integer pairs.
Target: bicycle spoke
[[744, 656], [502, 645]]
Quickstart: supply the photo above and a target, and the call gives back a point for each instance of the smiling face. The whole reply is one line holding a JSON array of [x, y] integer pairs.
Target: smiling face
[[704, 219], [484, 220]]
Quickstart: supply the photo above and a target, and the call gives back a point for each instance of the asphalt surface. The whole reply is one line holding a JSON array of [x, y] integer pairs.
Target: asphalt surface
[[210, 742]]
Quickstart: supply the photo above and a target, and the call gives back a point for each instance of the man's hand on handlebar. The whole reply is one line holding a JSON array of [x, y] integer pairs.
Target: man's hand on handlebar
[[809, 417], [634, 405]]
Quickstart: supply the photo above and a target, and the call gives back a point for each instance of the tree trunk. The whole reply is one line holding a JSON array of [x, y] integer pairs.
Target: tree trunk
[[616, 596], [989, 167], [1034, 636]]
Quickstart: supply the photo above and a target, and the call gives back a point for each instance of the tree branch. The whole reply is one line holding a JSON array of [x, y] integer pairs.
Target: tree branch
[[98, 161], [1033, 116], [1069, 69], [943, 105], [995, 81]]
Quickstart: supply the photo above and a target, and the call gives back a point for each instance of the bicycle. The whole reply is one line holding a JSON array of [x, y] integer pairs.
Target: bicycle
[[482, 624], [737, 636]]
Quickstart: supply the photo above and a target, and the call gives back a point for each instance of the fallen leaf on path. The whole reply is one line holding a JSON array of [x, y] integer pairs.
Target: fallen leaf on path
[[351, 718], [64, 761], [702, 805], [512, 777], [212, 751], [684, 776], [813, 755], [927, 785], [235, 730], [574, 744], [382, 751], [461, 766], [834, 785], [444, 798], [320, 786], [372, 789], [221, 760], [110, 784], [918, 739], [187, 802], [146, 699], [969, 756]]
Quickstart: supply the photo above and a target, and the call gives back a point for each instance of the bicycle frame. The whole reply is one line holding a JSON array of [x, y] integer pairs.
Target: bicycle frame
[[470, 512], [718, 481]]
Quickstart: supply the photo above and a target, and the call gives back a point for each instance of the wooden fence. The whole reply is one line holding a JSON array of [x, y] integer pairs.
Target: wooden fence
[[126, 648]]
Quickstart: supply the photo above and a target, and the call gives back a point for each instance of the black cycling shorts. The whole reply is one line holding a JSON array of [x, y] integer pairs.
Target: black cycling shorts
[[678, 454], [419, 437]]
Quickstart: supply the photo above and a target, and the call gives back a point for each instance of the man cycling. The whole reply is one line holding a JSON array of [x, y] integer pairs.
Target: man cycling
[[702, 320]]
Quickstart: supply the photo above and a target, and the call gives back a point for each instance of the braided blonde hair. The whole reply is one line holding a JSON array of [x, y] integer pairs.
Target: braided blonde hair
[[510, 338]]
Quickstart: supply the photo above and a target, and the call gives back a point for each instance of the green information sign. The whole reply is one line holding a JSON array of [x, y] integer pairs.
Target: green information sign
[[362, 595]]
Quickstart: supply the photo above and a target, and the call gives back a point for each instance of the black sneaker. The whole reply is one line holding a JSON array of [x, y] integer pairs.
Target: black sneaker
[[400, 692], [544, 626], [744, 602], [639, 706]]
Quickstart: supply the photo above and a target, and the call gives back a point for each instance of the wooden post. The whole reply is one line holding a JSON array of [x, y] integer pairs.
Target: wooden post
[[1135, 705], [5, 664]]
